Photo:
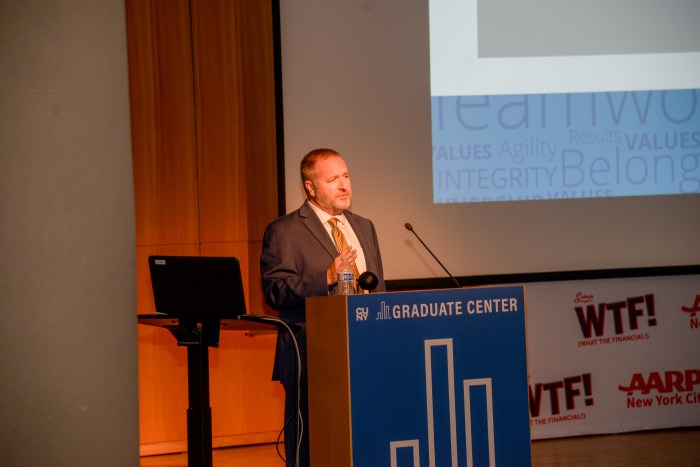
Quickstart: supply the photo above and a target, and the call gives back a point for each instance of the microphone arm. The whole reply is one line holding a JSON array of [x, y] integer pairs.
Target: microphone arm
[[410, 227]]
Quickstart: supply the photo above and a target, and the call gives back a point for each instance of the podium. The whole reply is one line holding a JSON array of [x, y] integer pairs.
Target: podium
[[430, 378], [198, 336]]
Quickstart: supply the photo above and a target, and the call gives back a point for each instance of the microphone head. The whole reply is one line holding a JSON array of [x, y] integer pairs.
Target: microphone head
[[408, 226], [368, 280]]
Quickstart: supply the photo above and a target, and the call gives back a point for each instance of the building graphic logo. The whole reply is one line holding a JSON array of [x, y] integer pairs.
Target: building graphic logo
[[467, 386]]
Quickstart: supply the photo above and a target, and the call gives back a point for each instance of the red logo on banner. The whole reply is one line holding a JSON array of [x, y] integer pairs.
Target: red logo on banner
[[583, 298], [694, 309], [673, 387], [572, 388], [627, 315]]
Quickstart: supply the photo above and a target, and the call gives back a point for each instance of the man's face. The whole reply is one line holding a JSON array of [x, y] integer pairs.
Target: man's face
[[330, 187]]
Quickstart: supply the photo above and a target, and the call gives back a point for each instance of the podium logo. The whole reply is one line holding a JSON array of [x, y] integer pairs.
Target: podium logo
[[361, 313]]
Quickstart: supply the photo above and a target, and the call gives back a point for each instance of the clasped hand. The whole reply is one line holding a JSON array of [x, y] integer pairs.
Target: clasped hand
[[349, 255]]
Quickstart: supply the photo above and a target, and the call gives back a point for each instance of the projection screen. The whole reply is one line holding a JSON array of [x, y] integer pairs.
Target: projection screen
[[566, 134]]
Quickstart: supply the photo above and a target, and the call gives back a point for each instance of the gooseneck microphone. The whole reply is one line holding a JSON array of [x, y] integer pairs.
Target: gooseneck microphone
[[410, 227]]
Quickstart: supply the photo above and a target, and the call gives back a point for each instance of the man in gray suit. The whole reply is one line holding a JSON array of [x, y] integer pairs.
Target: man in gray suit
[[300, 259]]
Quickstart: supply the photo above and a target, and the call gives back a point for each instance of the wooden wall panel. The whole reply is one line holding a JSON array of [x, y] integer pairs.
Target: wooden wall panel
[[244, 398], [220, 118], [257, 74], [234, 80], [257, 300], [162, 389], [162, 121], [203, 131]]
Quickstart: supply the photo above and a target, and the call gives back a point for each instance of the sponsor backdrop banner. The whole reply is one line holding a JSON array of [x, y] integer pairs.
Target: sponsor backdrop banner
[[613, 355]]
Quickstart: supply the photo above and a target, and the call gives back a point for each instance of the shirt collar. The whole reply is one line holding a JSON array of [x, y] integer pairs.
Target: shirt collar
[[324, 216]]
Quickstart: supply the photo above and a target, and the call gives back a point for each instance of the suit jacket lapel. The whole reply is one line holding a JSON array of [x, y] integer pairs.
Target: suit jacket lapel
[[313, 224]]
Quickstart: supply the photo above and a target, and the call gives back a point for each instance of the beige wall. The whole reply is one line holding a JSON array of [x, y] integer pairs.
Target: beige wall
[[68, 366]]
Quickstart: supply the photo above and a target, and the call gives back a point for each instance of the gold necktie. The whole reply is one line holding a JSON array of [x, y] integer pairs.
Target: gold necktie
[[341, 243]]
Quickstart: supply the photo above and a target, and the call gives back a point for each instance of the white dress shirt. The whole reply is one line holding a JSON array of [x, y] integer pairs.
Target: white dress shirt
[[350, 236]]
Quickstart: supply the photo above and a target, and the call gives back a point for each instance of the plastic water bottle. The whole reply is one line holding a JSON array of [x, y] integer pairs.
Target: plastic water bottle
[[346, 279]]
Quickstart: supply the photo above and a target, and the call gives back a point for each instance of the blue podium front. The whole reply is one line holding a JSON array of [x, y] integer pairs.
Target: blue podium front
[[436, 378]]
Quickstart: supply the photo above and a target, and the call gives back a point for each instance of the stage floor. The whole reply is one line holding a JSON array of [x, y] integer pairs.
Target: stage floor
[[679, 447]]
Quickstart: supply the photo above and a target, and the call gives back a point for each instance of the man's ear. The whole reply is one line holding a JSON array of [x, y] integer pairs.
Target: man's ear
[[309, 188]]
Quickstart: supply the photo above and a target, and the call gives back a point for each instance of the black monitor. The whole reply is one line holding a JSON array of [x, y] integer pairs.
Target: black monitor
[[197, 287]]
